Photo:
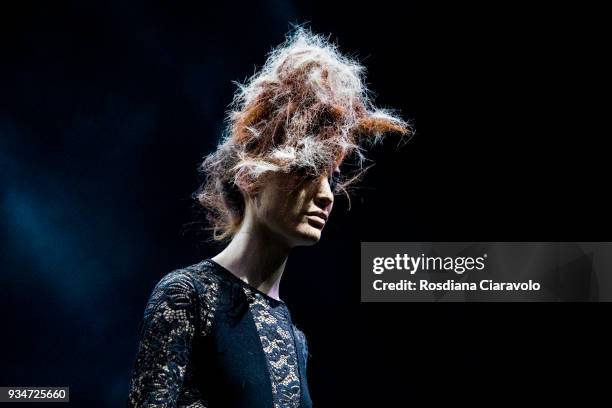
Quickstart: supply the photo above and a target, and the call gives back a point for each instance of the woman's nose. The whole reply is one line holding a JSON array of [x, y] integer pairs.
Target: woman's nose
[[324, 196]]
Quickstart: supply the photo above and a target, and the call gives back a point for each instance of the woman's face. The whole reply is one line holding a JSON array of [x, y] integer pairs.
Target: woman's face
[[295, 210]]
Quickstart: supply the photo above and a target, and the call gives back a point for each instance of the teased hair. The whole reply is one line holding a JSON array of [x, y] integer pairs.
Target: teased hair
[[307, 110]]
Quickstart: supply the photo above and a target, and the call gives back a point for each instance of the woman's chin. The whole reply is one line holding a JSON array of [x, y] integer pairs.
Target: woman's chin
[[308, 234]]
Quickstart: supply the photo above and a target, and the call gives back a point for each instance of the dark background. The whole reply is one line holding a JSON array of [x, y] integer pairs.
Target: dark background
[[106, 109]]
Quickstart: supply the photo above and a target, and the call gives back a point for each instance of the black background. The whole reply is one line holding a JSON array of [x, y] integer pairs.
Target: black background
[[106, 109]]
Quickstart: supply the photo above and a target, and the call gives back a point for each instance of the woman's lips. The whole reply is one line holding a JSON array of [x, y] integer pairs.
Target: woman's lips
[[315, 219]]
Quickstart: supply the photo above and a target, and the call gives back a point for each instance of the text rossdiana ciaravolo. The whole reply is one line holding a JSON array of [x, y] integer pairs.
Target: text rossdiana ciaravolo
[[450, 285], [457, 264]]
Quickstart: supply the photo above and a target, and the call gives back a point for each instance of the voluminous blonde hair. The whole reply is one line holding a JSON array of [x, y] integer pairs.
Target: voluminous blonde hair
[[306, 110]]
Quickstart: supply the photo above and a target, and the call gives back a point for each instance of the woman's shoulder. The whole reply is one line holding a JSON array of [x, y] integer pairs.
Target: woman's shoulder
[[301, 342], [190, 276], [300, 337], [185, 285], [191, 292], [175, 286]]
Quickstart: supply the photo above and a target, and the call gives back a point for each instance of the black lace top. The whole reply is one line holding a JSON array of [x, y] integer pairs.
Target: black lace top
[[208, 339]]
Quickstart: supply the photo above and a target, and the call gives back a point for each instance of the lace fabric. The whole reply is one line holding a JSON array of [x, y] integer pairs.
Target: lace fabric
[[183, 307], [276, 334]]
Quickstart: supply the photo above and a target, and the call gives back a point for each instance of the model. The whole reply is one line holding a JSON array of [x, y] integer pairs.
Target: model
[[217, 333]]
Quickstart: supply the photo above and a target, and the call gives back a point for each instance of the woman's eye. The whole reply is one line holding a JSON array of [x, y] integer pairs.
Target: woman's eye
[[302, 176], [306, 175]]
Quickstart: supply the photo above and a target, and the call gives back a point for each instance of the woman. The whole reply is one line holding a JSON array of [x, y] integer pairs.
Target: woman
[[217, 334]]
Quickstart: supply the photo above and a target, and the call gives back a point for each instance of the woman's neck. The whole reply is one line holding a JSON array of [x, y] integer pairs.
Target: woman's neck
[[257, 256]]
